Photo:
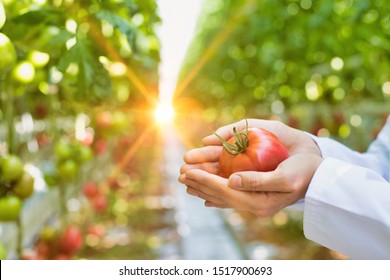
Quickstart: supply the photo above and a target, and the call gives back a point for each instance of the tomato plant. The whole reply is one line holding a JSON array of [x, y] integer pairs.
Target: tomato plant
[[58, 69], [253, 149]]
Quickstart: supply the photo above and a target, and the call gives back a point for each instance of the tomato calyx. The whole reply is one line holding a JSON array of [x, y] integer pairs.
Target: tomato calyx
[[241, 141]]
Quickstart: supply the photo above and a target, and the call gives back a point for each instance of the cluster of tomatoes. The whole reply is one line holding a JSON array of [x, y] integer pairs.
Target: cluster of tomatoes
[[95, 196], [55, 245], [16, 185], [69, 156]]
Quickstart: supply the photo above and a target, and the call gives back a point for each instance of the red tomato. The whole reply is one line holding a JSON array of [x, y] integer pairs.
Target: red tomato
[[96, 230], [42, 249], [88, 139], [100, 203], [253, 149], [30, 255], [90, 190], [71, 240], [104, 119], [100, 146], [114, 184]]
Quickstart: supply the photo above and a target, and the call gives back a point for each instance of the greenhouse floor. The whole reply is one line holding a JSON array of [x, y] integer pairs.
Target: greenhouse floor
[[203, 231]]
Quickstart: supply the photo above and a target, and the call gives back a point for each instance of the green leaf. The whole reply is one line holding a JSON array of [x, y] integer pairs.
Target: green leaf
[[49, 16], [123, 25], [93, 80]]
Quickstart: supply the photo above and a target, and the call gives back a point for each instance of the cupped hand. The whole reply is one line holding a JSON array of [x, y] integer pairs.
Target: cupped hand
[[262, 193]]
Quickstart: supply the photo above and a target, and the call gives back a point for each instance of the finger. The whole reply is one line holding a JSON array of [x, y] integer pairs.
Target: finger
[[210, 167], [210, 184], [258, 181], [204, 154], [261, 203], [216, 205], [204, 196], [216, 187]]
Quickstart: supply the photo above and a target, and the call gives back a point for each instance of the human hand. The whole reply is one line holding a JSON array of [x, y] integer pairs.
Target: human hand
[[262, 193]]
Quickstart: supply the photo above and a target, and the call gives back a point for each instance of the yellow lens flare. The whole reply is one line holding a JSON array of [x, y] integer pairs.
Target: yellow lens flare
[[118, 168], [215, 45], [164, 113]]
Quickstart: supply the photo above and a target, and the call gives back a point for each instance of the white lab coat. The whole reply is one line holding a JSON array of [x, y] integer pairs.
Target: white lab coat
[[347, 205]]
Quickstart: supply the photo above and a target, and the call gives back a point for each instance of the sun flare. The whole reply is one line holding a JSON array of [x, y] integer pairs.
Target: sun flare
[[164, 113]]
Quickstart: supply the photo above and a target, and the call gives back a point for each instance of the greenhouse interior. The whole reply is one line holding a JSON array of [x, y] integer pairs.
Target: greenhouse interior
[[101, 100]]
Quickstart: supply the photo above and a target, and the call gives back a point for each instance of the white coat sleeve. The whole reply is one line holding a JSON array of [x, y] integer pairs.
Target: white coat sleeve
[[347, 205]]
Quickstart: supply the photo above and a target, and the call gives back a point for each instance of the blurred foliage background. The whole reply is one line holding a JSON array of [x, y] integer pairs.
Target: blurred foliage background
[[322, 66], [78, 82], [77, 95]]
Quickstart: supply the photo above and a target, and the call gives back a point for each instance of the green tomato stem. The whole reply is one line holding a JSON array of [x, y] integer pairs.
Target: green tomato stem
[[241, 141]]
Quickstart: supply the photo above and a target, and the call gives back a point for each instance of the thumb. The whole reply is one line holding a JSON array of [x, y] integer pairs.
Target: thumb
[[256, 181]]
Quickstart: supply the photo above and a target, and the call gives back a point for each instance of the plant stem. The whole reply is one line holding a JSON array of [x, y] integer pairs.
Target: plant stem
[[63, 208], [19, 239], [8, 113], [240, 144]]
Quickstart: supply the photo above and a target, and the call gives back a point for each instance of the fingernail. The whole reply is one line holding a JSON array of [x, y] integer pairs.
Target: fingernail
[[181, 178], [235, 181]]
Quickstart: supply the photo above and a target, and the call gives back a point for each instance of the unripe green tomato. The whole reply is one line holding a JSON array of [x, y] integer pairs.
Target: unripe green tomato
[[2, 15], [63, 150], [11, 167], [84, 153], [24, 187], [48, 233], [10, 207], [67, 169], [8, 53]]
